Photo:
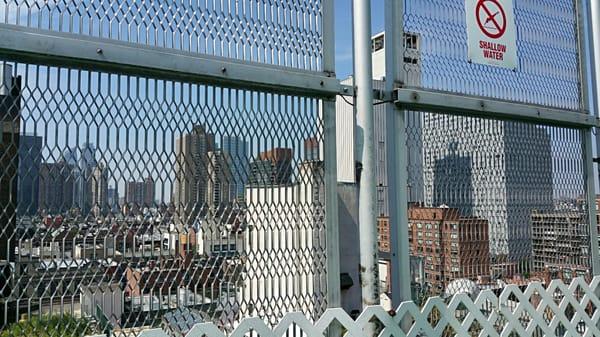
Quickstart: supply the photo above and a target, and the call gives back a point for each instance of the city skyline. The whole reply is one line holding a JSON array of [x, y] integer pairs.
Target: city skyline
[[78, 163]]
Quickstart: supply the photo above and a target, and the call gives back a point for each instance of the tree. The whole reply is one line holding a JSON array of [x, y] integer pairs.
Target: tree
[[50, 326]]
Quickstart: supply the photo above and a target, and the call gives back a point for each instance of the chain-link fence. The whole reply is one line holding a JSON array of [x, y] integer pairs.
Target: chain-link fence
[[548, 52], [136, 193], [132, 200], [504, 205], [275, 32], [135, 196], [492, 201]]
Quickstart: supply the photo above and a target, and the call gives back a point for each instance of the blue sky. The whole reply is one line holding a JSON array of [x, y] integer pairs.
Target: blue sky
[[343, 32]]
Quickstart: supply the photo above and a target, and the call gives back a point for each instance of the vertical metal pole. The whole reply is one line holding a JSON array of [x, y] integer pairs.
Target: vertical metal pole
[[593, 17], [587, 137], [331, 196], [363, 80], [590, 173], [396, 154]]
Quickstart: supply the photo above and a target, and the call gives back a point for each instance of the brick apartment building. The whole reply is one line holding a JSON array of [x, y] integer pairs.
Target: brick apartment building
[[383, 232], [452, 246]]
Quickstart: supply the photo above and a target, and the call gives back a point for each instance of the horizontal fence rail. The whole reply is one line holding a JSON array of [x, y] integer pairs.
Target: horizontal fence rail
[[92, 53]]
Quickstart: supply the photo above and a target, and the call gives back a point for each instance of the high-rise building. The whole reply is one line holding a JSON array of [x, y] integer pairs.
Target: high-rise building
[[134, 194], [452, 246], [69, 156], [100, 190], [149, 192], [113, 199], [191, 174], [220, 179], [56, 187], [87, 164], [140, 194], [273, 167], [452, 181], [30, 158], [237, 149], [490, 174], [383, 235], [10, 118]]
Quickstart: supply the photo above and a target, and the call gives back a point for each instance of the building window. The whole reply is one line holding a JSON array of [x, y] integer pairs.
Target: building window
[[411, 41], [377, 43]]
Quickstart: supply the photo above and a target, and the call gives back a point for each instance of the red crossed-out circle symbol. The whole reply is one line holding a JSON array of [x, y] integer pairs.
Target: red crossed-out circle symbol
[[491, 18]]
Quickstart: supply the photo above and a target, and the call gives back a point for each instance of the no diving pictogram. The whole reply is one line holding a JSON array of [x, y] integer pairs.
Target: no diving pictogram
[[491, 18]]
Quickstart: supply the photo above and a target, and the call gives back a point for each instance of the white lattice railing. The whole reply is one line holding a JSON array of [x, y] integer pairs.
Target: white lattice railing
[[555, 310]]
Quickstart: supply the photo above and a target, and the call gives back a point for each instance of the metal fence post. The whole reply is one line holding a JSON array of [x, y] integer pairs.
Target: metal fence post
[[329, 143], [584, 30], [593, 39], [593, 18], [396, 154], [363, 81]]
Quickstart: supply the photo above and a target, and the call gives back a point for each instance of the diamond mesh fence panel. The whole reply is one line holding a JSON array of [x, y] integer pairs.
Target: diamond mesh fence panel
[[547, 43], [132, 202], [286, 33], [497, 203], [491, 203]]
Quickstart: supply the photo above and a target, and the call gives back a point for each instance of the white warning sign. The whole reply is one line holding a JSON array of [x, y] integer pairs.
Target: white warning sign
[[492, 36]]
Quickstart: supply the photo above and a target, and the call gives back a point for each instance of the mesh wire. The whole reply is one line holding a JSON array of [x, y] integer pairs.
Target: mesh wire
[[548, 71], [490, 203], [143, 202], [286, 33]]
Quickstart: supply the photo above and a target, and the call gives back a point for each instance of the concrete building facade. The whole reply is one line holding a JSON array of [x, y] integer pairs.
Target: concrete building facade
[[560, 241], [283, 223]]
